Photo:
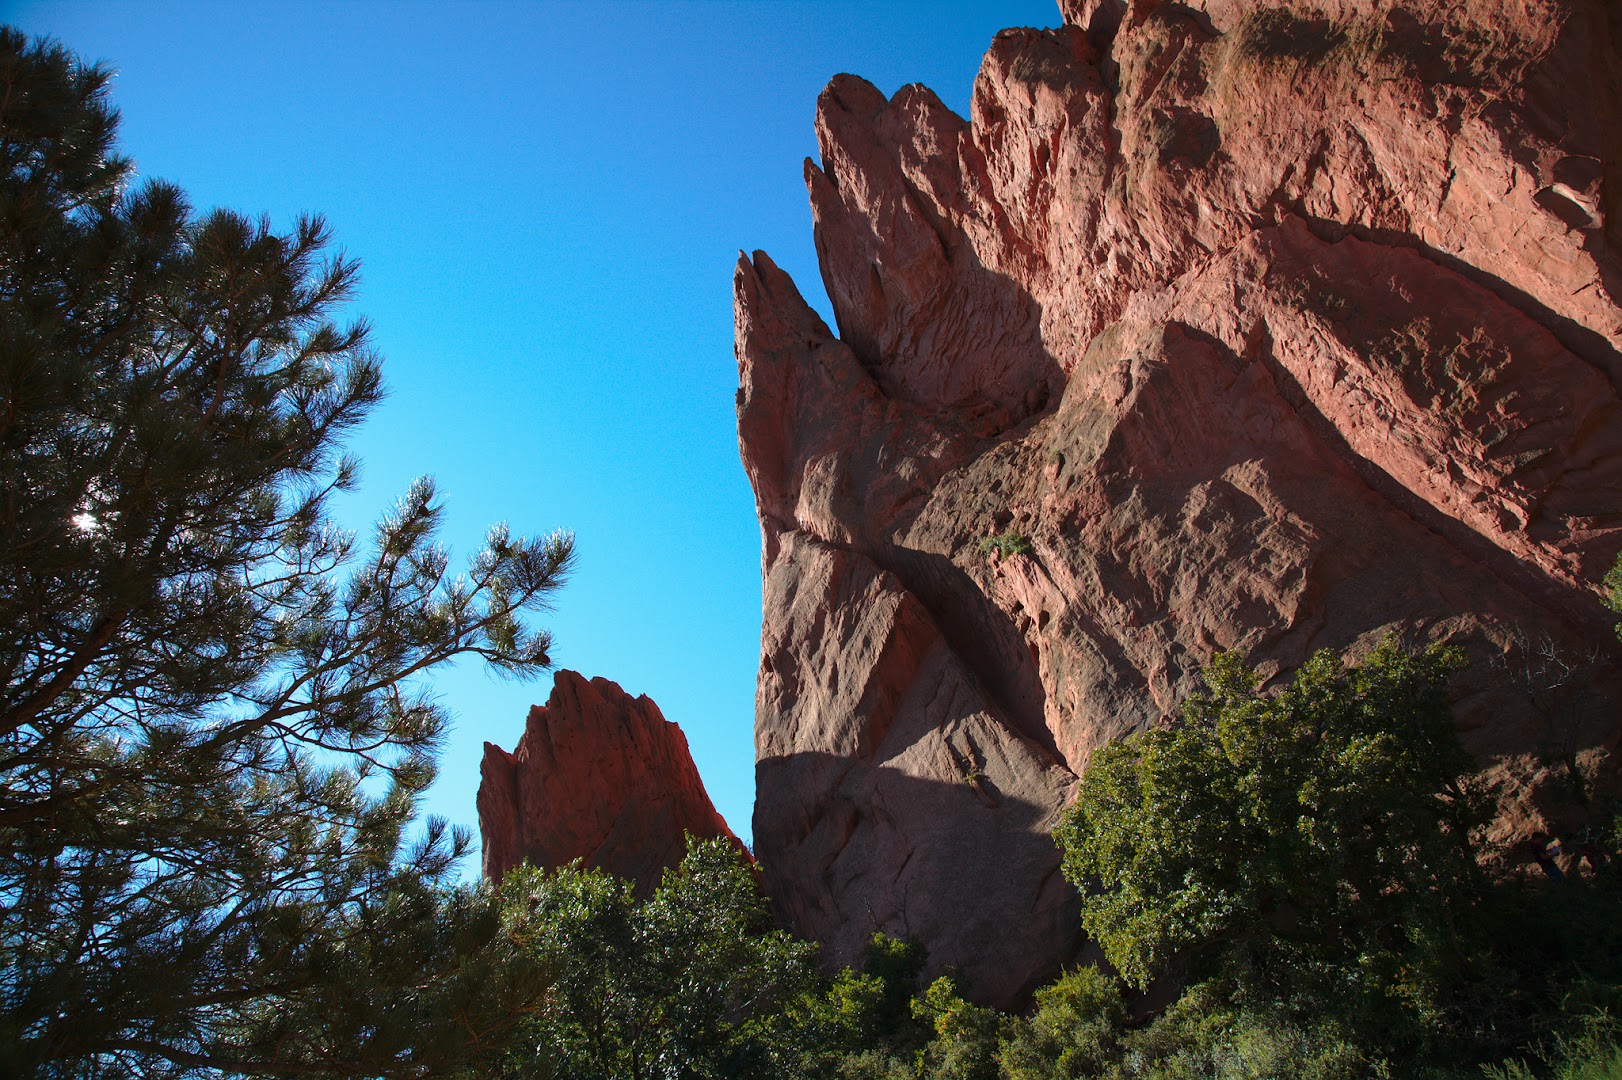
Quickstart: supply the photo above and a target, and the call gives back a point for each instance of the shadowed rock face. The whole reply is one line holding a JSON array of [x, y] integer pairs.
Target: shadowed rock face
[[1270, 331], [597, 775]]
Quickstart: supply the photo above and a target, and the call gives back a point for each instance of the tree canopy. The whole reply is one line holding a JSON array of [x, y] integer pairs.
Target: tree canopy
[[692, 981], [213, 725], [1320, 835]]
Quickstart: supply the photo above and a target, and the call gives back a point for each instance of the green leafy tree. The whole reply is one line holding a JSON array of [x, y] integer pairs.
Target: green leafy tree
[[1613, 590], [691, 982], [1074, 1030], [862, 1023], [1206, 1034], [896, 964], [213, 729], [1309, 845], [966, 1036], [841, 1028]]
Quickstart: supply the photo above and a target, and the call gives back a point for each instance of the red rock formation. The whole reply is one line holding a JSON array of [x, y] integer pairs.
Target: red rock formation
[[597, 775], [1273, 329]]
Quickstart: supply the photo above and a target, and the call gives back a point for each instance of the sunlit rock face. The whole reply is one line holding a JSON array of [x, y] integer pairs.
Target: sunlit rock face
[[1270, 330], [599, 776]]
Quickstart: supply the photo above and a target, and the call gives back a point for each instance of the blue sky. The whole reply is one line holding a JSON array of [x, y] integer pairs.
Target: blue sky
[[547, 199]]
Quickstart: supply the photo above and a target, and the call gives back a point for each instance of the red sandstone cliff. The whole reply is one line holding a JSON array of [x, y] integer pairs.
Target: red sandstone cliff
[[597, 775], [1272, 328]]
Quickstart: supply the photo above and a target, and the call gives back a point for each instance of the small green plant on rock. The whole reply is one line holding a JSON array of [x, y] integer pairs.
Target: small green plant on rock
[[1009, 543]]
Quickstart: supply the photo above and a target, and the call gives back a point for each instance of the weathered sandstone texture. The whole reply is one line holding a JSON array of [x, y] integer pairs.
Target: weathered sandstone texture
[[1273, 328], [597, 775]]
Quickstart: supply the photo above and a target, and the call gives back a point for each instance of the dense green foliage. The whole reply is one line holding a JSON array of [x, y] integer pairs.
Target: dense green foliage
[[1613, 590], [1305, 863], [213, 733], [1593, 1051], [1074, 1030], [691, 982], [1316, 836]]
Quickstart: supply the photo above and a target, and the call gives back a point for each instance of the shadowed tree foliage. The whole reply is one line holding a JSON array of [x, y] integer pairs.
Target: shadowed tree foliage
[[1613, 590], [1074, 1029], [213, 731], [692, 982], [863, 1025]]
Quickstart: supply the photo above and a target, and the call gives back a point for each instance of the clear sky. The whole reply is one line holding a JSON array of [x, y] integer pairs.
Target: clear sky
[[547, 199]]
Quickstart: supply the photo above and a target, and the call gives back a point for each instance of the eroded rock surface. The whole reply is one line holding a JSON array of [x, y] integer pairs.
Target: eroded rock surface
[[1271, 328], [597, 775]]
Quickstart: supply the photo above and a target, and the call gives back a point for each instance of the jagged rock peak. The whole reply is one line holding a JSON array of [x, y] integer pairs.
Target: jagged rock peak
[[597, 775]]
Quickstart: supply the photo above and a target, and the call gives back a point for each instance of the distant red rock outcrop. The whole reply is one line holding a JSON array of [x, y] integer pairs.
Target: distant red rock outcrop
[[597, 775], [1266, 327]]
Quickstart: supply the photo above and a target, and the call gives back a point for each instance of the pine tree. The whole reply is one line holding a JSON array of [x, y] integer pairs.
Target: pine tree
[[213, 729]]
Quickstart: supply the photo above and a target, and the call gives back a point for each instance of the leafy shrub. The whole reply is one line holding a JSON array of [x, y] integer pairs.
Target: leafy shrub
[[1309, 850], [966, 1036], [1613, 590], [1009, 543], [869, 1065], [1317, 835], [1205, 1035], [1594, 1053], [1074, 1030], [861, 1023], [694, 977]]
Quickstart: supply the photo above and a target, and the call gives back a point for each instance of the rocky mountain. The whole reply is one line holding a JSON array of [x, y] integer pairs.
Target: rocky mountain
[[1226, 325], [597, 775]]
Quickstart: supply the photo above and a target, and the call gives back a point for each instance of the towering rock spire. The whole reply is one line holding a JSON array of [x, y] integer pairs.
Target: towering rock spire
[[1259, 329], [597, 775]]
